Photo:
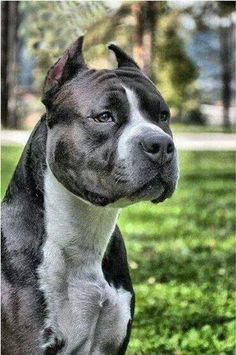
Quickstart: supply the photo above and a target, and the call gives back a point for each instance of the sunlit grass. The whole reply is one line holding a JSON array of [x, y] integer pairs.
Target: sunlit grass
[[9, 158], [181, 255]]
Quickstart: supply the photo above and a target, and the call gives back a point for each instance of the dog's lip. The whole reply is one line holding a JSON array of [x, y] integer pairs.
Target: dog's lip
[[147, 185], [166, 193], [140, 193], [98, 199], [166, 187]]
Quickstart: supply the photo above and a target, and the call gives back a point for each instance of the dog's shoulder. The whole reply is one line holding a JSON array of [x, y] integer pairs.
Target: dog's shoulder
[[115, 263], [116, 271], [22, 223], [27, 179]]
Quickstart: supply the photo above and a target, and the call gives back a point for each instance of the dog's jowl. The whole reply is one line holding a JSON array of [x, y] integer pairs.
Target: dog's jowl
[[103, 143]]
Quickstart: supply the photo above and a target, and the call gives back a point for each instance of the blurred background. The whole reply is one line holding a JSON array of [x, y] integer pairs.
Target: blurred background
[[186, 47], [181, 252]]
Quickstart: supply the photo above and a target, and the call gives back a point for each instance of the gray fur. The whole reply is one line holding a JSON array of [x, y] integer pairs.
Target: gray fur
[[66, 283]]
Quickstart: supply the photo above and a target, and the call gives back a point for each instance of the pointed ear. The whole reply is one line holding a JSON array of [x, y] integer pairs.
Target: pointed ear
[[122, 58], [64, 69]]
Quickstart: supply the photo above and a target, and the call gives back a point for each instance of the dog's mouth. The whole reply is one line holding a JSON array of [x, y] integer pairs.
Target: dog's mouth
[[98, 199], [155, 190], [165, 194]]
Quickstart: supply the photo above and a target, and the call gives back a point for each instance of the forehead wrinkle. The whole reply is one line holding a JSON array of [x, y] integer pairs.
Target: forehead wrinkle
[[103, 75], [127, 76]]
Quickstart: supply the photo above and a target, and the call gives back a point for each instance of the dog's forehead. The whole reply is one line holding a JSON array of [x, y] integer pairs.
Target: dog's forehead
[[146, 93], [91, 85]]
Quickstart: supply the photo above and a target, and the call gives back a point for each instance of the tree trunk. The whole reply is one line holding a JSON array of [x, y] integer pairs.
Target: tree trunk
[[138, 34], [226, 50], [4, 62], [145, 16], [9, 64], [149, 38]]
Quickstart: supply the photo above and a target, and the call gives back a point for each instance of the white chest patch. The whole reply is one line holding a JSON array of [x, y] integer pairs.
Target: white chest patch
[[83, 309]]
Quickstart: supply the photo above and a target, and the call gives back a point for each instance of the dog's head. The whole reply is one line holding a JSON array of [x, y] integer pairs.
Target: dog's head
[[109, 140]]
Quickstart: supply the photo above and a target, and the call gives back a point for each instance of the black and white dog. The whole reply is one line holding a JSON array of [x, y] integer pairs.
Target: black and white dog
[[103, 143]]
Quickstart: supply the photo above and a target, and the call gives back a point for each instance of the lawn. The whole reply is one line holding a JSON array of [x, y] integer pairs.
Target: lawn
[[181, 255]]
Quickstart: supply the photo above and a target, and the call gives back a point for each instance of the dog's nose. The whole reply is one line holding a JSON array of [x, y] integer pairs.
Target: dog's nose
[[159, 148]]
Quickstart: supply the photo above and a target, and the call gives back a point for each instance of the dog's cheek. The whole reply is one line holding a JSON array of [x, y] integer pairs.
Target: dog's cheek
[[66, 155], [63, 159], [62, 154]]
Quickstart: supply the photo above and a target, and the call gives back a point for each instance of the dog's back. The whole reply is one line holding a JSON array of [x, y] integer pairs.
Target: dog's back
[[22, 237]]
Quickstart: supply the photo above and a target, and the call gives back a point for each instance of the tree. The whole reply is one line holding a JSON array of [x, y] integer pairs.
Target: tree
[[146, 14], [135, 26], [9, 23], [159, 50], [218, 15], [46, 42], [227, 48], [176, 71]]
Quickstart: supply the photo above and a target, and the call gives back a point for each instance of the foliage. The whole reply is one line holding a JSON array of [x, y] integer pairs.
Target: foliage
[[181, 255], [174, 72], [70, 19], [194, 116], [220, 16]]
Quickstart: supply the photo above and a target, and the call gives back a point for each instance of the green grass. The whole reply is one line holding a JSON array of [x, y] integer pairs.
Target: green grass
[[181, 255], [9, 157]]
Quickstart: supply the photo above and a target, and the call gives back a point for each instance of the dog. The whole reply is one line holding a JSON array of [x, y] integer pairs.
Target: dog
[[103, 143]]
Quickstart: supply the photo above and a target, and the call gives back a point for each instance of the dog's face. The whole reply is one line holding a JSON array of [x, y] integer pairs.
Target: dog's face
[[109, 140]]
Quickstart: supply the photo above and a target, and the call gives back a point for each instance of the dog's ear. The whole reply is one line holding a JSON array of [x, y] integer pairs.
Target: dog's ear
[[64, 69], [123, 59]]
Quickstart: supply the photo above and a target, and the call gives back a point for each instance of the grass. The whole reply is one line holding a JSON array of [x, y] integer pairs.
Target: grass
[[181, 256], [9, 157]]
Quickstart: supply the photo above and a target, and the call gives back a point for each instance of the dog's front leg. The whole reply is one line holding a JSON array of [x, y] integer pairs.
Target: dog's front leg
[[51, 275], [53, 342]]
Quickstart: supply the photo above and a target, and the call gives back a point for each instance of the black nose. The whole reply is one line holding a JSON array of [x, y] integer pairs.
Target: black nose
[[159, 148]]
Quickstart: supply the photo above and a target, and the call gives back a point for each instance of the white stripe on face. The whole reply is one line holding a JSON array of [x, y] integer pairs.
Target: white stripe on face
[[136, 124]]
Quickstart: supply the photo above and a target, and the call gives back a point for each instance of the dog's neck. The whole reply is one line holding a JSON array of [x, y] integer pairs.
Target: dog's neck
[[81, 305], [78, 228]]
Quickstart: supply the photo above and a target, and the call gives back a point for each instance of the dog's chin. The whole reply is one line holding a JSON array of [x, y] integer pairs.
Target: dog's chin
[[167, 193], [98, 199], [155, 190]]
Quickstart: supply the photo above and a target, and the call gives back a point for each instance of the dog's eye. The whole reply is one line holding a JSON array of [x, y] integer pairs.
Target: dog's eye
[[164, 116], [104, 117]]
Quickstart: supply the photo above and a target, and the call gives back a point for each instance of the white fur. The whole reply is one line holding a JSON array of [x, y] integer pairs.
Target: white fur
[[71, 274], [137, 123]]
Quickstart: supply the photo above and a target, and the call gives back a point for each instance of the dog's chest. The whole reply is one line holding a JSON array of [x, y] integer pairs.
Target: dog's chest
[[84, 311], [88, 314]]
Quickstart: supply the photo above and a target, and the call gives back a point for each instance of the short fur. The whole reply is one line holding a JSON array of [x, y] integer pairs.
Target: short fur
[[102, 144]]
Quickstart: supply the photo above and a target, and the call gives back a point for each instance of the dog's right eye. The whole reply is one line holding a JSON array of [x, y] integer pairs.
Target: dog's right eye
[[164, 116], [104, 117]]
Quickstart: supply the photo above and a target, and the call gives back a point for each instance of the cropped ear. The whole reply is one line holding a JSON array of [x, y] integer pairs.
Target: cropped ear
[[64, 69], [123, 59]]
